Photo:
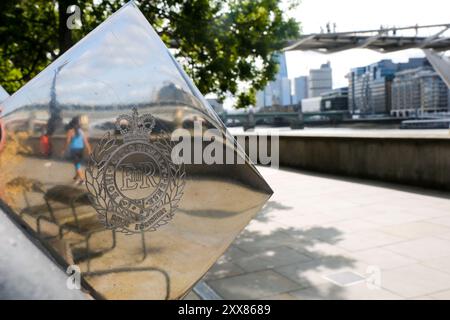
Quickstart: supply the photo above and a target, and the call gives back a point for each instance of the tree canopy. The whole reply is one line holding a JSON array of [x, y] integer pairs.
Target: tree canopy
[[224, 45]]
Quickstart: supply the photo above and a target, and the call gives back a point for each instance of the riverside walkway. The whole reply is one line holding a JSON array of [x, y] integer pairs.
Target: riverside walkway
[[328, 237]]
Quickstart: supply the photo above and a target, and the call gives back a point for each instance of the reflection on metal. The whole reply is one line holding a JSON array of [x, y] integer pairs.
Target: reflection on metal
[[119, 66]]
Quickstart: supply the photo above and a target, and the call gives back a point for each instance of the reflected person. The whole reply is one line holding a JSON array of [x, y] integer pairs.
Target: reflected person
[[76, 141]]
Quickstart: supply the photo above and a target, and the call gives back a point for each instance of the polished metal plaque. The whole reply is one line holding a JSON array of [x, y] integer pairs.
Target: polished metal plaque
[[135, 186], [164, 187]]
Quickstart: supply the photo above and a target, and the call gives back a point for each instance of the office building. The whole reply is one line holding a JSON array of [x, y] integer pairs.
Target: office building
[[320, 80], [300, 89], [335, 100], [277, 92], [282, 66], [418, 91], [370, 86], [310, 105], [260, 99], [281, 92]]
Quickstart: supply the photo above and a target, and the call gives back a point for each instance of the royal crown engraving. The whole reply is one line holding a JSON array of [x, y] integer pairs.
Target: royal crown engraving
[[135, 127], [134, 185]]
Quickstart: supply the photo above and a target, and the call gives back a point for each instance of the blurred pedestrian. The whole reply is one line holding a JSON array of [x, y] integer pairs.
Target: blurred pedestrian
[[77, 142]]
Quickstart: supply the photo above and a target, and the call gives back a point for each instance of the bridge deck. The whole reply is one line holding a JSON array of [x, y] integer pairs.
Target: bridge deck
[[334, 42]]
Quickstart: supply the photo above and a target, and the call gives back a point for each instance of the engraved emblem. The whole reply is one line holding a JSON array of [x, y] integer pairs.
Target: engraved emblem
[[134, 185]]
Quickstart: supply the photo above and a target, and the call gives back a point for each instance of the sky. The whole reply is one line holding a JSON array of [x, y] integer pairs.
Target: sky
[[352, 15]]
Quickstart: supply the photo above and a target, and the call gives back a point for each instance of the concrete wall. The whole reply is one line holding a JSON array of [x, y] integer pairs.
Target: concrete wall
[[419, 161], [423, 162]]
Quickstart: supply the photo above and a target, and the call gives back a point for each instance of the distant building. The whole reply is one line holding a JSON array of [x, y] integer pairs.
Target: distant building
[[412, 63], [418, 91], [277, 92], [370, 86], [264, 97], [282, 66], [268, 96], [300, 89], [311, 104], [320, 80], [260, 99], [335, 100], [281, 92]]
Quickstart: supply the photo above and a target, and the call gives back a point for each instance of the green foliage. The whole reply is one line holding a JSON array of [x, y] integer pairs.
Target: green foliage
[[223, 45], [27, 40]]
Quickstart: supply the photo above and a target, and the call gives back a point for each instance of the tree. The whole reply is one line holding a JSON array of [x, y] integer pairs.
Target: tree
[[223, 45], [27, 40]]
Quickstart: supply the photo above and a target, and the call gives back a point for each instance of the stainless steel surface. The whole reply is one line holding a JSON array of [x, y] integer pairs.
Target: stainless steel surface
[[119, 66]]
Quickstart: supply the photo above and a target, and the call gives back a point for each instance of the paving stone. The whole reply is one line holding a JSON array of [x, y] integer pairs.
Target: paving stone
[[366, 239], [314, 273], [442, 221], [353, 225], [422, 298], [417, 229], [394, 218], [445, 236], [415, 280], [321, 250], [443, 295], [253, 285], [192, 296], [383, 258], [442, 263], [358, 291], [422, 249], [271, 258], [223, 269], [232, 253], [281, 296]]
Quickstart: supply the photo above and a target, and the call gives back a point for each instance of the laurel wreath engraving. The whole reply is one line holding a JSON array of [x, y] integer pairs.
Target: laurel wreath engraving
[[98, 195]]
